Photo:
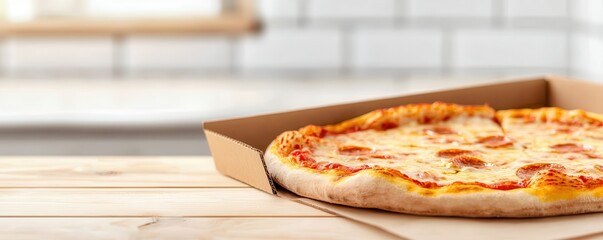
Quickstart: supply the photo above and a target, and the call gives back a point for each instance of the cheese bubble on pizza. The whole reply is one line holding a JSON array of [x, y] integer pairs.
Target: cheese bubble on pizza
[[449, 160]]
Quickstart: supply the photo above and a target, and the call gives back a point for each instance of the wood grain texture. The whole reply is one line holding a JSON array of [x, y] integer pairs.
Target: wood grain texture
[[147, 202], [111, 172], [186, 228], [150, 198]]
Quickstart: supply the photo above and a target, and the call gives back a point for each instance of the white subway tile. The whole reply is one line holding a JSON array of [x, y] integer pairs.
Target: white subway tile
[[176, 53], [278, 9], [292, 49], [509, 48], [3, 55], [537, 8], [397, 49], [338, 9], [59, 54], [589, 11], [587, 54], [450, 8]]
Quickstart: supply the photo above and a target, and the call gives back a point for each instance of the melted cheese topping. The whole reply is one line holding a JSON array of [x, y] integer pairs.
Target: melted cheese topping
[[414, 149], [578, 148], [462, 149]]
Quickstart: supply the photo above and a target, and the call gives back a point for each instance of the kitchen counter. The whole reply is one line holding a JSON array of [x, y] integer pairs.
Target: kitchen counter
[[161, 116], [150, 198], [168, 103]]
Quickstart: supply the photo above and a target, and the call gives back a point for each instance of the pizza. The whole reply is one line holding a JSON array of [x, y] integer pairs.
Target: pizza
[[449, 160]]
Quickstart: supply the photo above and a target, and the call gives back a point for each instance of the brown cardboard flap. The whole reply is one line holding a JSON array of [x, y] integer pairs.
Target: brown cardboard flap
[[571, 94], [424, 227], [239, 161]]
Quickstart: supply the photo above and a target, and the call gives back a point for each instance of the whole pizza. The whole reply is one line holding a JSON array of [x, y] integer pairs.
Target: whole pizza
[[449, 160]]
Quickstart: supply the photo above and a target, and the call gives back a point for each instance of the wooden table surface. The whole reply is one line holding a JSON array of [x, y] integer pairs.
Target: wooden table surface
[[150, 198]]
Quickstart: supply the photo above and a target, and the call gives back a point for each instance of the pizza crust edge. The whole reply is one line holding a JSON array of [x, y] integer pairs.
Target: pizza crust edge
[[368, 190]]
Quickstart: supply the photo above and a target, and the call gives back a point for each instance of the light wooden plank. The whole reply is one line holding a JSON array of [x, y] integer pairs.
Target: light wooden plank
[[117, 202], [111, 172], [187, 228]]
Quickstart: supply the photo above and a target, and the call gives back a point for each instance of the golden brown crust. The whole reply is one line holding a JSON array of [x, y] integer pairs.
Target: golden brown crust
[[548, 195], [550, 114], [390, 117], [291, 140]]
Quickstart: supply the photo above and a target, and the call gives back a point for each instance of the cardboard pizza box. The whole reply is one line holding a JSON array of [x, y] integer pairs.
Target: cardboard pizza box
[[237, 146]]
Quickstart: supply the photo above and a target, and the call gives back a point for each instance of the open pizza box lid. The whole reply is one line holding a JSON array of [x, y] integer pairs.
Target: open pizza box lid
[[237, 147]]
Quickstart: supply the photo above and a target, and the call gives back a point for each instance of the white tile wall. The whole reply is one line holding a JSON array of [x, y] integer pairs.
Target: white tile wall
[[350, 9], [292, 50], [509, 48], [176, 53], [58, 54], [587, 56], [278, 9], [587, 11], [396, 49], [471, 35], [586, 42], [3, 56], [537, 8], [450, 8]]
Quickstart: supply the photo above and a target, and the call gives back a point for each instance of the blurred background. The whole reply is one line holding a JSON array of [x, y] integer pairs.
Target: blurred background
[[138, 77]]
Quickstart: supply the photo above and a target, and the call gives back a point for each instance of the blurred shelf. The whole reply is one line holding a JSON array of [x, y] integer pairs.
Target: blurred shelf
[[239, 18], [223, 24]]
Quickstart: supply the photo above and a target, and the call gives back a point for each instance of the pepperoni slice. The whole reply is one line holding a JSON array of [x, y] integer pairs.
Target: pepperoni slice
[[388, 125], [468, 161], [507, 185], [453, 152], [304, 158], [574, 148], [528, 171], [566, 130], [570, 148], [439, 131], [591, 155], [496, 141], [354, 150]]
